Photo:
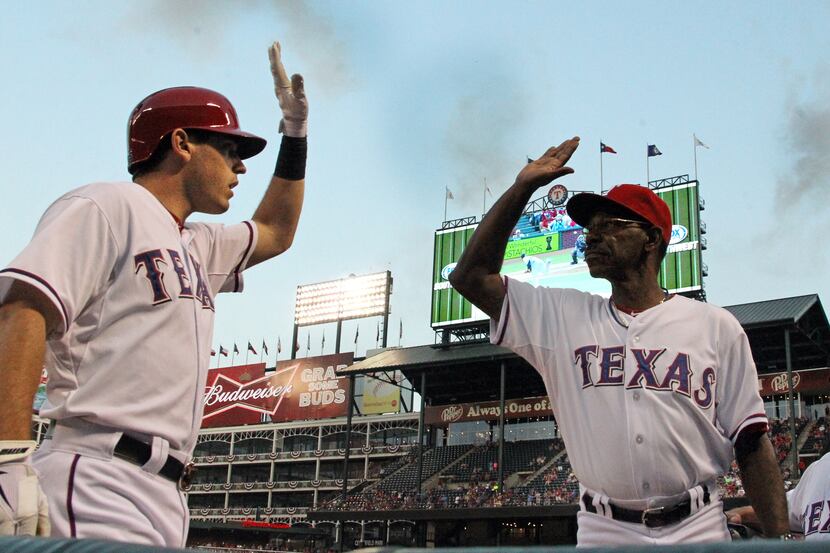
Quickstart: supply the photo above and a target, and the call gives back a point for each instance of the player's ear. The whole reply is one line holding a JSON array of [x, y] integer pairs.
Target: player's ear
[[180, 144]]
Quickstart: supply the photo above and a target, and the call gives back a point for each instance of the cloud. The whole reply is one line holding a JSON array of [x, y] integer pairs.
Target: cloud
[[480, 141], [807, 140], [202, 30]]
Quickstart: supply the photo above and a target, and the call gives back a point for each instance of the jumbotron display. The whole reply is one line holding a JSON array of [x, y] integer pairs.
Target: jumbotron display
[[546, 248]]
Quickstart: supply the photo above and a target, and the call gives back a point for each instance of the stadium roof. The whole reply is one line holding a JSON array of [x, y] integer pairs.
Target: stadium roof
[[766, 323], [465, 372], [772, 312]]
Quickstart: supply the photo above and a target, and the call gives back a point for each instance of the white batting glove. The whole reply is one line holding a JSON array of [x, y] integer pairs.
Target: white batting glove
[[23, 507], [291, 96]]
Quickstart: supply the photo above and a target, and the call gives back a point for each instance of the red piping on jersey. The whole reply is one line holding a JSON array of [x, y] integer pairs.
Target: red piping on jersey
[[179, 222], [754, 415], [506, 315], [69, 492], [48, 286], [244, 256]]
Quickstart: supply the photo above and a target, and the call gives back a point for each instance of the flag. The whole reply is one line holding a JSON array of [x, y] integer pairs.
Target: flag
[[212, 352], [606, 149], [223, 351], [323, 344], [487, 189], [449, 194], [377, 336], [235, 349], [279, 345], [308, 345], [264, 347], [529, 160], [251, 348], [698, 142], [356, 333], [653, 151], [400, 335]]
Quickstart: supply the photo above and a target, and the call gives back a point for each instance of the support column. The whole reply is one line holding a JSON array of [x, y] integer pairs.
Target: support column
[[421, 431], [502, 371], [791, 401], [349, 415]]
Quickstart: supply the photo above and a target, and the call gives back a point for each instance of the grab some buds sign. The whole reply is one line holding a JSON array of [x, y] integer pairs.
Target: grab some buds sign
[[298, 389]]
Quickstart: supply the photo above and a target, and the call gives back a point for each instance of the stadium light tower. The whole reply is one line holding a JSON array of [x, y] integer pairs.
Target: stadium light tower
[[353, 297]]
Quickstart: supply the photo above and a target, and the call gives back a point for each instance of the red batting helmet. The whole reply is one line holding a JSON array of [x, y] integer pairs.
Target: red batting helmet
[[185, 107]]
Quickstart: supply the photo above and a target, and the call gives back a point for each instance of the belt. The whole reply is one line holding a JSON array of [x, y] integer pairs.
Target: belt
[[654, 517], [137, 452]]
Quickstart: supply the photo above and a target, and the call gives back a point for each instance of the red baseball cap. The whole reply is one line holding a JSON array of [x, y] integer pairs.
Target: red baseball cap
[[625, 200]]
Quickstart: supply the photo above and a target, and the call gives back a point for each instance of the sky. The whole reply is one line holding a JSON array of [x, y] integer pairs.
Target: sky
[[410, 98]]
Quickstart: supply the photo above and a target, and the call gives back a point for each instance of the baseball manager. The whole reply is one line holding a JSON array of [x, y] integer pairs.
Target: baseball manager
[[654, 394]]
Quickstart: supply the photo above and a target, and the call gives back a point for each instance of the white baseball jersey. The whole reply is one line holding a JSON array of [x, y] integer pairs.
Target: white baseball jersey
[[536, 265], [646, 411], [809, 502], [136, 298]]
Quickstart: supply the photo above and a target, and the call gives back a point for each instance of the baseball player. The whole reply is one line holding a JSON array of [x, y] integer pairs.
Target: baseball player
[[654, 394], [579, 249], [534, 264], [808, 504], [117, 290]]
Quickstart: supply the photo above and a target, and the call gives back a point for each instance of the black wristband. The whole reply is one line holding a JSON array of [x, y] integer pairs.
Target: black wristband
[[292, 157]]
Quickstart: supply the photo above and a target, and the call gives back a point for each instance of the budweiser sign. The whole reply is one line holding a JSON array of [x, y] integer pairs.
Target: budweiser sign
[[296, 389], [258, 395]]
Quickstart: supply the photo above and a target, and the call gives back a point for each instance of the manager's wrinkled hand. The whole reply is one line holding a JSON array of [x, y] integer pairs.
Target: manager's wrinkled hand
[[291, 95], [23, 507], [549, 166]]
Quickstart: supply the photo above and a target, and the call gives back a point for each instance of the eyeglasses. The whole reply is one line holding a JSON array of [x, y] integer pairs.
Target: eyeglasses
[[612, 225]]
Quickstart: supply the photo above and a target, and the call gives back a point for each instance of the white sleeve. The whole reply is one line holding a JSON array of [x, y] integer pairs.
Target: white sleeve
[[528, 320], [796, 515], [739, 405], [70, 258], [225, 251]]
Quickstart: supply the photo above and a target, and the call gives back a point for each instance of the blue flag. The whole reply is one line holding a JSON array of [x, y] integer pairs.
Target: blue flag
[[653, 151]]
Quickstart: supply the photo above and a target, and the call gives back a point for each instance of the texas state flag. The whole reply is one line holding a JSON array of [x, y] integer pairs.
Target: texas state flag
[[605, 148]]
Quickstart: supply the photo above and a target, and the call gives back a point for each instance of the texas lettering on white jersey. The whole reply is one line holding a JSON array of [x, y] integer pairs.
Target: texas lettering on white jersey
[[809, 502], [136, 296], [646, 411]]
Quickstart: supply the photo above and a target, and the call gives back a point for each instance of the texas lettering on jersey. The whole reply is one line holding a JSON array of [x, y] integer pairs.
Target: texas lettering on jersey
[[606, 367], [152, 262], [817, 518]]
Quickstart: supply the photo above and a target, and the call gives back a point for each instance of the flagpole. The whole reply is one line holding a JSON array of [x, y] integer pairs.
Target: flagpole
[[484, 199], [647, 169], [694, 143], [601, 183], [247, 352], [446, 199]]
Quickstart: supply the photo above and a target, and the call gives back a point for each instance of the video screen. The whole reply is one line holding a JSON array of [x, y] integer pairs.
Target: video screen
[[546, 248]]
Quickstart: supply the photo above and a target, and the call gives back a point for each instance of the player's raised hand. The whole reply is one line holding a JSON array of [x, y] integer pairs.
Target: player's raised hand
[[550, 166], [24, 510], [291, 95]]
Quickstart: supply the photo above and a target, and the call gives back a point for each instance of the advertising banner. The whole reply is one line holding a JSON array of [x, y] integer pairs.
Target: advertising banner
[[443, 415], [382, 396], [298, 389], [813, 380]]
